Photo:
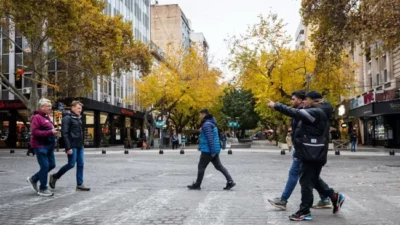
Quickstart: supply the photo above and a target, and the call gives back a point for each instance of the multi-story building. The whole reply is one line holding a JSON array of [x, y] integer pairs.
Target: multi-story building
[[303, 37], [111, 112], [169, 26], [200, 42]]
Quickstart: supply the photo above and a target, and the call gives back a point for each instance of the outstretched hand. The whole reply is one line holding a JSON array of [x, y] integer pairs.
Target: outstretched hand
[[271, 104]]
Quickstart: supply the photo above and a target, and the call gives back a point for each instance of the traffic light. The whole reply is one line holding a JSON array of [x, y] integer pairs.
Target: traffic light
[[19, 73]]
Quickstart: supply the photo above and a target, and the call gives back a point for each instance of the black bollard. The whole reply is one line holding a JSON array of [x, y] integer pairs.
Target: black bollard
[[283, 152], [337, 152], [230, 152], [103, 151], [182, 151], [161, 152], [12, 151], [126, 151], [391, 152]]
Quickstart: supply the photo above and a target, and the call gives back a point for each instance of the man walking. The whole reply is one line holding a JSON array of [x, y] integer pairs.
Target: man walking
[[310, 140], [72, 131], [43, 139], [223, 140], [294, 172], [210, 148]]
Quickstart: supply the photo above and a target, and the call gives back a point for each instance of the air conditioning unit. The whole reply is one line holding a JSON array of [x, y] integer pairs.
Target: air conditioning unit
[[26, 90], [107, 99], [119, 100]]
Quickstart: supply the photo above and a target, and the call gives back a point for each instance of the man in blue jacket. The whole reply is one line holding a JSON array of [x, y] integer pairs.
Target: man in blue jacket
[[210, 148]]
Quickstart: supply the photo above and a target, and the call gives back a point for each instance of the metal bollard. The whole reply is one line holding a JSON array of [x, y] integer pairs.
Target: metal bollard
[[126, 151], [230, 152], [161, 152], [283, 152], [182, 151], [103, 151], [337, 152], [12, 151], [392, 152]]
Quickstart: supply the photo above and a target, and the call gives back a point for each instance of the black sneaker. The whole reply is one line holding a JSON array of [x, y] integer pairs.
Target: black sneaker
[[32, 184], [337, 202], [278, 203], [300, 216], [194, 186], [230, 185], [52, 181]]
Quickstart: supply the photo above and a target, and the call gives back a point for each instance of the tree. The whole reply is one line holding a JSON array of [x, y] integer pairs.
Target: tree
[[178, 88], [271, 70], [240, 104], [76, 33], [342, 23]]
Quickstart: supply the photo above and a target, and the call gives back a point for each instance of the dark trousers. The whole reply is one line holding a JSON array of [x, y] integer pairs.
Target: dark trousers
[[175, 144], [205, 159], [309, 179]]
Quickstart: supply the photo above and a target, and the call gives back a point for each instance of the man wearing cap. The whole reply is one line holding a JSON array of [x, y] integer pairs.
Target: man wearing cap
[[210, 148], [311, 144]]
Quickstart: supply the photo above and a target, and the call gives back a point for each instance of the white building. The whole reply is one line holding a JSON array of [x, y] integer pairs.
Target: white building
[[199, 41]]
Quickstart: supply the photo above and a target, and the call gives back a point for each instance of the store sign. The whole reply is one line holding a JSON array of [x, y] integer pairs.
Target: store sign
[[127, 112], [11, 105], [394, 106], [341, 110]]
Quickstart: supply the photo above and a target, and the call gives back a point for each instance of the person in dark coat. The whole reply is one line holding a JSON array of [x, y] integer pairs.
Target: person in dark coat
[[72, 131]]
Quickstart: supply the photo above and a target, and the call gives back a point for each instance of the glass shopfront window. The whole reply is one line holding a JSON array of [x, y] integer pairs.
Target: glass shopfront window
[[380, 133], [89, 128], [23, 129], [118, 126], [4, 128], [105, 129]]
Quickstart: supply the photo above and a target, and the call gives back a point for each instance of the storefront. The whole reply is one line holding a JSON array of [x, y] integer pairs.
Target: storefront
[[381, 123], [104, 124]]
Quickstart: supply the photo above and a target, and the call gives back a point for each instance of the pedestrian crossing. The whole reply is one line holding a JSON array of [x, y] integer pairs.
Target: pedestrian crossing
[[172, 206]]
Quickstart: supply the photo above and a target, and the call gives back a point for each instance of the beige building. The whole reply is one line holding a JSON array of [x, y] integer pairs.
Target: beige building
[[169, 26], [303, 37], [199, 41]]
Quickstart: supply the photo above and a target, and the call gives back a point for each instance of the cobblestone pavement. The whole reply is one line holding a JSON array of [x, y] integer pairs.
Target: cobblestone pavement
[[148, 188]]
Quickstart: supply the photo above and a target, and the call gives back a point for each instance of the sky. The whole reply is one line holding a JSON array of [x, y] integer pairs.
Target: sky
[[217, 19]]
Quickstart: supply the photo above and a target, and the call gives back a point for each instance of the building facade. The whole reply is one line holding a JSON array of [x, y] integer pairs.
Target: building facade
[[302, 37], [200, 42], [113, 105], [170, 26]]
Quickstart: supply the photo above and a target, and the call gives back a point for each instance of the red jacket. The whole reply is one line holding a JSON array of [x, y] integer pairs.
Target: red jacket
[[41, 128]]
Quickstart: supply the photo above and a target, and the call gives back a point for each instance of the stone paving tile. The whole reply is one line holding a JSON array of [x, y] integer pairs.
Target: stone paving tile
[[147, 188]]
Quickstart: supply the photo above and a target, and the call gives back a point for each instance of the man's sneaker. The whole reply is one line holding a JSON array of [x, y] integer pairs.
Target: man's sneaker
[[194, 186], [337, 202], [230, 185], [45, 193], [82, 188], [299, 216], [278, 203], [52, 182], [32, 184], [323, 204]]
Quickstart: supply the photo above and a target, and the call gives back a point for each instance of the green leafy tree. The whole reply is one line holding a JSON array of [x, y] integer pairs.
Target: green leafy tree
[[240, 104]]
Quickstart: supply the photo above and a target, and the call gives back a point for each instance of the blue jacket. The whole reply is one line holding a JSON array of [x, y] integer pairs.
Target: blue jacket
[[209, 138]]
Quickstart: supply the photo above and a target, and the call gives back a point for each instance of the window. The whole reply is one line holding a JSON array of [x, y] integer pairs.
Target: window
[[18, 46], [6, 46], [379, 128], [5, 63], [377, 79], [385, 76]]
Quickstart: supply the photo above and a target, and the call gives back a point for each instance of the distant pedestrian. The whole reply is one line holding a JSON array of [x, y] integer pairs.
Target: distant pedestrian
[[175, 142], [210, 148], [43, 140], [30, 149], [72, 130], [353, 140], [183, 141], [222, 137], [289, 141]]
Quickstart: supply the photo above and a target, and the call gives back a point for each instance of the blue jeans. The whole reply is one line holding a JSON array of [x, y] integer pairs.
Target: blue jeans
[[353, 146], [294, 175], [223, 144], [75, 157], [47, 162]]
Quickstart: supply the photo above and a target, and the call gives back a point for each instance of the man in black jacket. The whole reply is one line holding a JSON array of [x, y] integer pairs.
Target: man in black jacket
[[72, 132], [311, 144]]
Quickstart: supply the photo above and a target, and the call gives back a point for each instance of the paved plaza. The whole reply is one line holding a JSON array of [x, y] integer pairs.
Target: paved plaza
[[144, 187]]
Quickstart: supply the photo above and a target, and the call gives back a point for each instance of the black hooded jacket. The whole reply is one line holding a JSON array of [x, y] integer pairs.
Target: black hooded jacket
[[311, 122], [72, 131]]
